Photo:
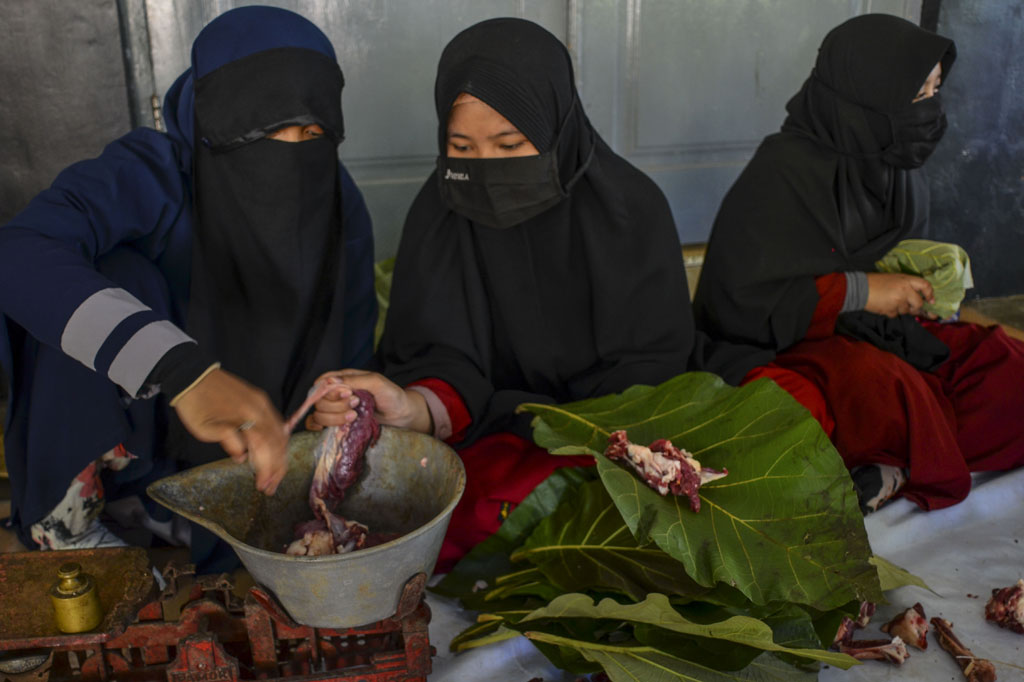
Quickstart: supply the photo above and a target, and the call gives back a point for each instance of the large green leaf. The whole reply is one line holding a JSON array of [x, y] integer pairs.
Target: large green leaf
[[892, 576], [638, 663], [656, 610], [585, 544], [782, 526]]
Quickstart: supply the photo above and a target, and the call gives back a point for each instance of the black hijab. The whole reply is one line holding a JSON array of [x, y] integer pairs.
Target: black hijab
[[586, 298], [265, 288], [834, 191], [266, 293]]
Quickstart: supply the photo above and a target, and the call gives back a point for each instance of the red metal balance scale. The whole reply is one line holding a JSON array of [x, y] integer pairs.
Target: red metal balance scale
[[195, 629]]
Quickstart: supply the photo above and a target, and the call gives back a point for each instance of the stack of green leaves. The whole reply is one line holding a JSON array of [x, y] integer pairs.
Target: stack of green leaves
[[601, 572], [946, 267]]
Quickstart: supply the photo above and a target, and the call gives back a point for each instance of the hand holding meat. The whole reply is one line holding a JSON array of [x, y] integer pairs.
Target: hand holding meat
[[215, 408], [395, 406], [893, 294]]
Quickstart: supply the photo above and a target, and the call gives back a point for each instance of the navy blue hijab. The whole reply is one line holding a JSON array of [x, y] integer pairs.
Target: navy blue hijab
[[129, 219]]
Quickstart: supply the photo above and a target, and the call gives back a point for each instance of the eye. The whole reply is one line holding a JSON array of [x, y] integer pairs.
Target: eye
[[313, 131], [459, 147], [511, 147]]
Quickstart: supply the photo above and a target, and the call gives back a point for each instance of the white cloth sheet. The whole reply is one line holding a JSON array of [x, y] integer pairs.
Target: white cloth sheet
[[962, 553]]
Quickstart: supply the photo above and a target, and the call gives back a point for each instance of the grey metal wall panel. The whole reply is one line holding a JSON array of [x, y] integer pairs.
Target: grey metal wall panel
[[62, 79], [683, 88], [686, 89], [977, 172]]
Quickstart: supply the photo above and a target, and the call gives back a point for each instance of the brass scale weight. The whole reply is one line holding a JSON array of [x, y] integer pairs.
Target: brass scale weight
[[76, 602]]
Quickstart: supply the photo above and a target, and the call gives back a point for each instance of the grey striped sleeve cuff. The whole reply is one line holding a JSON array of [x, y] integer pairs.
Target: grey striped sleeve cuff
[[856, 292], [94, 320], [98, 317], [138, 357]]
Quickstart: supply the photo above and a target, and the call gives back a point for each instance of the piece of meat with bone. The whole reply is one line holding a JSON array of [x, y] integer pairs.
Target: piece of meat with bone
[[974, 669], [892, 651], [339, 454], [663, 466], [911, 626], [327, 534], [338, 461], [845, 632], [1006, 607]]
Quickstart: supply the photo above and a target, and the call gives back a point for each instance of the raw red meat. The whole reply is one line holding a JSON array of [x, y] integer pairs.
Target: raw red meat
[[894, 651], [974, 669], [911, 626], [339, 461], [663, 466], [1006, 607]]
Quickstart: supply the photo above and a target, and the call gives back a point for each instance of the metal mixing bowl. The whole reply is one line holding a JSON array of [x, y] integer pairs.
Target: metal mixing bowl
[[410, 485]]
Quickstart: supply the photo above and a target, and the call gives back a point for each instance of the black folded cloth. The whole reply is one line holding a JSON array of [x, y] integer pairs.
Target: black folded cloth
[[902, 336]]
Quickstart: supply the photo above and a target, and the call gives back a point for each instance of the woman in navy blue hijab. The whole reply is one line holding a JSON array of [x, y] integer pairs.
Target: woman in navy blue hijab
[[216, 268]]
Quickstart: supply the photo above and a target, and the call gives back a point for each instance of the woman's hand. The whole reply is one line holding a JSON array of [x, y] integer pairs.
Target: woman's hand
[[395, 405], [893, 294], [222, 408]]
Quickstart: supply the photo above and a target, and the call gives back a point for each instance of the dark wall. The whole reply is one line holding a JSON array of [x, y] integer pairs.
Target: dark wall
[[63, 95], [977, 172]]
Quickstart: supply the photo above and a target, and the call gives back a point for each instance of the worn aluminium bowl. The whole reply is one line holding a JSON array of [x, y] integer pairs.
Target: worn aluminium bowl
[[410, 485]]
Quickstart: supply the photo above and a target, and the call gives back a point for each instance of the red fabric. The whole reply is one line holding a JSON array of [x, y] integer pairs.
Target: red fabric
[[831, 294], [501, 469], [452, 401], [966, 416], [805, 392]]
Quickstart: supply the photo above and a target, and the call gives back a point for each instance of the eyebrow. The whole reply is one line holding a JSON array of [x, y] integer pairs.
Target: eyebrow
[[504, 133]]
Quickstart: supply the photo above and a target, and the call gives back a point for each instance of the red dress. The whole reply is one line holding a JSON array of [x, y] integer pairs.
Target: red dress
[[968, 415]]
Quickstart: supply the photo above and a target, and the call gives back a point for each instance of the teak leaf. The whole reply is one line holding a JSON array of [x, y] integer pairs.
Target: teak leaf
[[782, 526], [631, 663], [656, 610]]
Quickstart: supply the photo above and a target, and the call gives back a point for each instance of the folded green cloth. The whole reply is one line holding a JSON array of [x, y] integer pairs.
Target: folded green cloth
[[947, 267]]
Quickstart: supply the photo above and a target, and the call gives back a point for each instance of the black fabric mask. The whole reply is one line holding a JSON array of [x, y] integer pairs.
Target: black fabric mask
[[266, 289], [916, 131], [501, 192], [269, 229]]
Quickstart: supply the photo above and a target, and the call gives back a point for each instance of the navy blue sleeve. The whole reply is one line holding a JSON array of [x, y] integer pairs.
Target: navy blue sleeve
[[360, 294], [48, 280]]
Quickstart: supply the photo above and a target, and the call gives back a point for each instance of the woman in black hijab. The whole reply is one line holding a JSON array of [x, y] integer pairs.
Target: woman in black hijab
[[790, 269], [535, 265]]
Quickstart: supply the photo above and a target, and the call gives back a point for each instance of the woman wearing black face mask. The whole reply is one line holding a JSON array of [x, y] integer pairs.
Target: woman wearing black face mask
[[535, 265], [790, 269]]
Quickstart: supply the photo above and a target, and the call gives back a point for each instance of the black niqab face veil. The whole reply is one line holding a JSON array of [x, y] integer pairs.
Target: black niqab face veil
[[835, 190], [584, 297], [266, 291]]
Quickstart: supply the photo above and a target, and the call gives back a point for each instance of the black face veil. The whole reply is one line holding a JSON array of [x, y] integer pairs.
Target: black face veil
[[834, 191], [585, 297], [266, 292]]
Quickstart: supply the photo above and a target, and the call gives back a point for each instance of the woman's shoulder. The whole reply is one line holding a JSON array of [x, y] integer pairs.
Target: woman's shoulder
[[790, 151]]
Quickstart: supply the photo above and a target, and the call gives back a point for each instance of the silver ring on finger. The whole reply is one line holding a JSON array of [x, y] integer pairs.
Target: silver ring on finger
[[245, 426]]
